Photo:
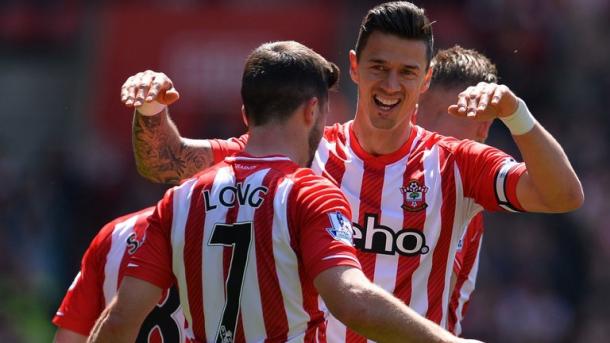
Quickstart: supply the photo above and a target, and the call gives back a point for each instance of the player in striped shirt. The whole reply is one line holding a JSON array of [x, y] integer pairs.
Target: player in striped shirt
[[252, 241], [412, 191], [453, 70], [102, 270]]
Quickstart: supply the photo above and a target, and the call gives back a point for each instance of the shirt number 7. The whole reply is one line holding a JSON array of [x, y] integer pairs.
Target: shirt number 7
[[238, 236]]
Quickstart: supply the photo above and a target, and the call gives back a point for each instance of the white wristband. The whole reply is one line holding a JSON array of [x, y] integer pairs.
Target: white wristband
[[520, 122], [151, 108]]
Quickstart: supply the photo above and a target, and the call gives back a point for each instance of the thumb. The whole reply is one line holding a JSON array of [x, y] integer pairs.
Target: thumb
[[454, 109], [169, 97]]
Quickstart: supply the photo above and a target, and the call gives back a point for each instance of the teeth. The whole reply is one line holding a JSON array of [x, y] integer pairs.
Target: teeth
[[386, 101]]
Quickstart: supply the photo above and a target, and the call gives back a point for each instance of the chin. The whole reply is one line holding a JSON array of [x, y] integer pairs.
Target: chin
[[383, 124]]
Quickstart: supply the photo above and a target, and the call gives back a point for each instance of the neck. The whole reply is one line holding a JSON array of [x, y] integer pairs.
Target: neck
[[380, 141], [274, 139]]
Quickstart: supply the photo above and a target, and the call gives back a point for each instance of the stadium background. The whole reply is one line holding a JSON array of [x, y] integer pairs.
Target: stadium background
[[66, 165]]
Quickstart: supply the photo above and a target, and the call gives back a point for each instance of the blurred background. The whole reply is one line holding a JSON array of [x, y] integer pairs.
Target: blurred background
[[67, 165]]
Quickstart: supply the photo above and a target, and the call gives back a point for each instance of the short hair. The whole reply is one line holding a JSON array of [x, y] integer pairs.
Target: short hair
[[399, 18], [457, 66], [279, 76]]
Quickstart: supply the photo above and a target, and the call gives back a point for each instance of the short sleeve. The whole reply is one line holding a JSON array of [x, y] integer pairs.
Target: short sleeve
[[489, 175], [152, 261], [84, 300], [222, 148], [322, 226]]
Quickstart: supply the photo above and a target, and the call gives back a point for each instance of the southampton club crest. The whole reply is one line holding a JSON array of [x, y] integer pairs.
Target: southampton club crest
[[414, 195]]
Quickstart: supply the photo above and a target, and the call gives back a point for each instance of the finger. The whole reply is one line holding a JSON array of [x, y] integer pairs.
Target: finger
[[463, 100], [125, 90], [497, 95], [130, 88], [454, 110], [143, 86], [473, 100], [486, 93], [170, 96], [160, 83]]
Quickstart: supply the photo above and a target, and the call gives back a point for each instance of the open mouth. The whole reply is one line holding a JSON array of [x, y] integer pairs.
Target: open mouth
[[384, 103]]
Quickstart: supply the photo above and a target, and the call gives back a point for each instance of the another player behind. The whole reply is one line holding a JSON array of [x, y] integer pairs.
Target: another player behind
[[102, 269], [453, 70], [252, 241]]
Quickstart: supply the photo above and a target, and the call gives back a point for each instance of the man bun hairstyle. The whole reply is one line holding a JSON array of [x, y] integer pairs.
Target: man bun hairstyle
[[280, 76], [399, 18], [458, 67]]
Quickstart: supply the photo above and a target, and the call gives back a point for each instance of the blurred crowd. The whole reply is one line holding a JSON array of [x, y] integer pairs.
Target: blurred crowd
[[543, 278]]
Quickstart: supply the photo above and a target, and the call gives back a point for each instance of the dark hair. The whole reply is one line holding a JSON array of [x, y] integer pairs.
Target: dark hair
[[457, 66], [400, 18], [279, 76]]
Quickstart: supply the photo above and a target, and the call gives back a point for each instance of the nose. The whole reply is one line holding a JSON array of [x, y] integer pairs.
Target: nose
[[391, 82]]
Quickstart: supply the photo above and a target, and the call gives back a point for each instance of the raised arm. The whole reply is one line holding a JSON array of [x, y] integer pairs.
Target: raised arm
[[373, 312], [550, 183], [161, 154]]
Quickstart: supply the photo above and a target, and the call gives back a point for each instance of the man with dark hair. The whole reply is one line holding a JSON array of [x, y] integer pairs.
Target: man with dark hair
[[412, 191], [252, 241], [453, 70]]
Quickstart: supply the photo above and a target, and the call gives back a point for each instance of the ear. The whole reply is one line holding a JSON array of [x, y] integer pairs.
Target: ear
[[244, 117], [353, 67], [483, 130], [309, 111], [427, 80]]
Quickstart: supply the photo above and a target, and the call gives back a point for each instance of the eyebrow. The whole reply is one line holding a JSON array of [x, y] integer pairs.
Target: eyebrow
[[406, 66]]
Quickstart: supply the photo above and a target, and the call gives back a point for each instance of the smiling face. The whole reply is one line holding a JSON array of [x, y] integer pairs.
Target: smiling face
[[391, 73]]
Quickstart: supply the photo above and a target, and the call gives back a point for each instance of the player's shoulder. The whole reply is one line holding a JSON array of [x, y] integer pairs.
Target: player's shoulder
[[115, 224], [310, 186], [451, 145], [204, 176], [103, 238], [306, 176]]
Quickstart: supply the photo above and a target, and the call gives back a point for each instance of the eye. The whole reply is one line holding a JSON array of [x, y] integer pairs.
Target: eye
[[378, 67], [408, 72]]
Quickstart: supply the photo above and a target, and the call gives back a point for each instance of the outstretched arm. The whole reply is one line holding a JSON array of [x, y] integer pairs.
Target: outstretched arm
[[550, 183], [373, 312], [161, 154]]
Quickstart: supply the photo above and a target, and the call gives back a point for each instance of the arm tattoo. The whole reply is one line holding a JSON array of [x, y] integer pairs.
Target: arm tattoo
[[161, 156]]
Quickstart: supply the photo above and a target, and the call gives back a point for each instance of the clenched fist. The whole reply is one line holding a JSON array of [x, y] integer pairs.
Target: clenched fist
[[146, 87], [485, 101]]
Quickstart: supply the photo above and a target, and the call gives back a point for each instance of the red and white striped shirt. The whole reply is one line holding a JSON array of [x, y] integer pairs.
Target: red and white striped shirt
[[465, 269], [102, 269], [410, 208], [244, 241]]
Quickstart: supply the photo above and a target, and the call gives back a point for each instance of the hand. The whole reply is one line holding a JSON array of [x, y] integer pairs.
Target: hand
[[146, 87], [485, 101]]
